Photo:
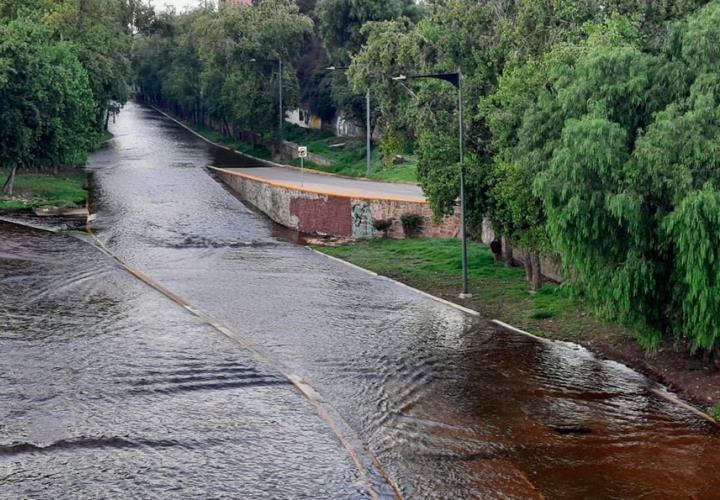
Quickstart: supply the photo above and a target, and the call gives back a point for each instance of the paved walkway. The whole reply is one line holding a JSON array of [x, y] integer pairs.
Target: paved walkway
[[331, 184], [309, 180]]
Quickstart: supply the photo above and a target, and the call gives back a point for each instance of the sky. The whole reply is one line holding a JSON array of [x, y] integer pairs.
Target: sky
[[178, 4]]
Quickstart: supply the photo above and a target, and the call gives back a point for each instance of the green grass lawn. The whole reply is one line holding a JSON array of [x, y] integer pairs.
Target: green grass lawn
[[349, 156], [498, 292], [349, 159], [219, 138], [34, 190]]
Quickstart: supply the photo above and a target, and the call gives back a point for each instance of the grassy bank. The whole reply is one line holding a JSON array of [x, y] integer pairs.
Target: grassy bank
[[554, 312], [349, 156], [433, 265], [68, 189], [220, 138], [37, 190]]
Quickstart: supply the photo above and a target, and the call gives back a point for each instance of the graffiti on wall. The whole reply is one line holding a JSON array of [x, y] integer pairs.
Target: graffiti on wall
[[362, 226]]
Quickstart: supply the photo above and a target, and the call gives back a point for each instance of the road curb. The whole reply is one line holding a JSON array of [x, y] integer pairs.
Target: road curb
[[396, 282]]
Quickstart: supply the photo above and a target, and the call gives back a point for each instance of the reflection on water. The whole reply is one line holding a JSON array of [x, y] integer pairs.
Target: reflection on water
[[452, 407]]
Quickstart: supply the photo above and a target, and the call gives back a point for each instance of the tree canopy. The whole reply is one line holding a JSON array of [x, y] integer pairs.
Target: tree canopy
[[224, 65], [61, 65]]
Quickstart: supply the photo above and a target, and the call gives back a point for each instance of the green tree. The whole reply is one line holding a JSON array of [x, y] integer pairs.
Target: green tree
[[99, 32], [630, 187], [221, 67], [46, 105], [341, 28]]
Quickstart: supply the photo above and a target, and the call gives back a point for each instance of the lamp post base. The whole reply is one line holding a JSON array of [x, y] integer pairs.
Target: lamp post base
[[465, 296]]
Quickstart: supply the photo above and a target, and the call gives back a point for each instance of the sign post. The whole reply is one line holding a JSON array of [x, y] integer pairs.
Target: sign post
[[302, 154]]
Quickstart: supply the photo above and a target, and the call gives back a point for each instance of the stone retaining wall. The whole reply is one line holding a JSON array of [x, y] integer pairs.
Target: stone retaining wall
[[550, 265], [331, 214], [289, 152]]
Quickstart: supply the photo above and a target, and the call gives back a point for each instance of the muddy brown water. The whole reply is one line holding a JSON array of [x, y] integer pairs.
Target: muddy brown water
[[109, 389]]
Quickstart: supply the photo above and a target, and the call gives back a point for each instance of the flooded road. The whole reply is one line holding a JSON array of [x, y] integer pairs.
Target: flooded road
[[110, 389]]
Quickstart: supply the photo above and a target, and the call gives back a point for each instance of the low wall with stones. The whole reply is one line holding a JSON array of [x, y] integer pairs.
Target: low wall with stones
[[550, 265], [331, 214], [289, 151]]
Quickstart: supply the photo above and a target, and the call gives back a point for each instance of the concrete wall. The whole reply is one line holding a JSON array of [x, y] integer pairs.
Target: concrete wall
[[331, 214], [343, 127], [304, 118]]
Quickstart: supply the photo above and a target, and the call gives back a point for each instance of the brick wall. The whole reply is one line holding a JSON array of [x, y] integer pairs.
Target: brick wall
[[317, 213]]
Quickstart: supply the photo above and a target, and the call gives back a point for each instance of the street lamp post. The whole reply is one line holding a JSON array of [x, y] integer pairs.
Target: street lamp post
[[368, 130], [280, 99], [456, 80]]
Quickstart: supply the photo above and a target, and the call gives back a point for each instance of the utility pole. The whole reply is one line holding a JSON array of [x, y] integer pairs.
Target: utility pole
[[463, 217], [368, 128], [456, 80], [369, 132], [280, 103]]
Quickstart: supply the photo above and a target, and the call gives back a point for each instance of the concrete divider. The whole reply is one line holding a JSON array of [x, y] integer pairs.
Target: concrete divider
[[325, 212]]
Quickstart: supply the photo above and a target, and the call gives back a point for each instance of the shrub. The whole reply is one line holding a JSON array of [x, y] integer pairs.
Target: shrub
[[412, 224], [382, 225]]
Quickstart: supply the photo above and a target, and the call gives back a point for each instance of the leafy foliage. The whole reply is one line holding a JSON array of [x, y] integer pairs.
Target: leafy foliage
[[629, 189], [46, 105], [341, 27], [63, 67], [592, 132], [412, 224], [223, 65]]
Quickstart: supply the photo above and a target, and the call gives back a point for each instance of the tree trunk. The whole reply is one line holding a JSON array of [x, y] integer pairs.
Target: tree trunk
[[527, 264], [537, 279], [507, 251], [10, 182], [107, 119]]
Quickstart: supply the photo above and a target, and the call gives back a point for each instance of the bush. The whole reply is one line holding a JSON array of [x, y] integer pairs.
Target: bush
[[391, 144], [412, 224], [382, 225]]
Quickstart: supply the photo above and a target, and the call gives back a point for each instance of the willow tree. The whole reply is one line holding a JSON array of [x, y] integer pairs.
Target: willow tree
[[521, 141], [678, 160], [340, 27], [631, 189]]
